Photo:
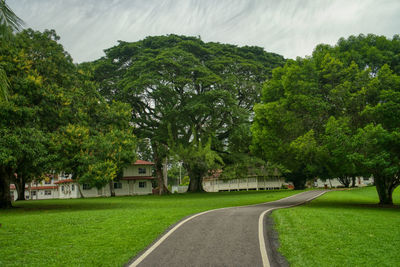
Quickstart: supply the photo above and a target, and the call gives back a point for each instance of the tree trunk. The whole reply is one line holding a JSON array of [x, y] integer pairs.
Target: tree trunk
[[344, 181], [162, 189], [299, 184], [79, 189], [20, 186], [385, 191], [112, 191], [353, 181], [5, 196], [195, 183]]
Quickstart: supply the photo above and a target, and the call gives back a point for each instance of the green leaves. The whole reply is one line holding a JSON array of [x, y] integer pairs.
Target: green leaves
[[180, 87], [9, 21], [55, 119], [4, 85], [335, 114], [379, 151]]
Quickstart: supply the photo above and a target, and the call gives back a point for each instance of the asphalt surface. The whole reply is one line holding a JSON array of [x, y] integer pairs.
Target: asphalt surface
[[224, 237]]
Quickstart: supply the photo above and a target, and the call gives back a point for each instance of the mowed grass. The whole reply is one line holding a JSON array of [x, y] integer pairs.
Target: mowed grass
[[102, 231], [341, 228]]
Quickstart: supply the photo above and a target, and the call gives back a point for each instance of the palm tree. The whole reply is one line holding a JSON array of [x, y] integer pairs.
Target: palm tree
[[9, 23], [8, 20]]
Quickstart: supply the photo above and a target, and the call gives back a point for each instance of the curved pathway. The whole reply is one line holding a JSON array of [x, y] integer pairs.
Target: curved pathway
[[223, 237]]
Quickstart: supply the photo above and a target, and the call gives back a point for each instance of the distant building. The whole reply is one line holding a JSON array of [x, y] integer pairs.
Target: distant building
[[137, 180], [244, 184], [214, 183], [332, 183]]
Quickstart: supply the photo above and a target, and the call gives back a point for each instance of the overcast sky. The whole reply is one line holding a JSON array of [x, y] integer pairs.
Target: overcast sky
[[287, 27]]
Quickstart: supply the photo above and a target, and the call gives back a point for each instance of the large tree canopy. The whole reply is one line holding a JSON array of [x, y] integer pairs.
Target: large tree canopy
[[335, 114], [186, 92], [54, 115]]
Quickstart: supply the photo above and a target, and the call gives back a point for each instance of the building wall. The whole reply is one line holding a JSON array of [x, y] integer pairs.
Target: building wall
[[124, 191], [32, 191], [142, 190], [68, 190], [129, 187], [252, 183], [360, 182], [133, 170]]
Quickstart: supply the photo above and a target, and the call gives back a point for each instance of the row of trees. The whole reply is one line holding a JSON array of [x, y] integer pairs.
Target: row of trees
[[182, 97], [53, 118], [332, 115], [335, 114]]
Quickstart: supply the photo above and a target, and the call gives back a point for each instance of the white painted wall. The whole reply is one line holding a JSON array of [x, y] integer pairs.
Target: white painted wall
[[142, 191], [243, 184], [360, 182], [68, 190], [133, 170]]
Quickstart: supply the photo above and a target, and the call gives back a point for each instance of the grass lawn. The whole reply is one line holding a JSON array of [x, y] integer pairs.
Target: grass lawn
[[101, 231], [341, 228]]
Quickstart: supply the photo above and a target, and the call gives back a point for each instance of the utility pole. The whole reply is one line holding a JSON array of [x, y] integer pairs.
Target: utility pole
[[165, 172]]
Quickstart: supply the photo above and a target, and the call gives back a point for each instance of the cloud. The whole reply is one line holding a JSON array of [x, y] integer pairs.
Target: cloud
[[291, 28]]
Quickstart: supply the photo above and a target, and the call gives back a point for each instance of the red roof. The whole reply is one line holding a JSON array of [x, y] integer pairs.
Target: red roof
[[44, 187], [12, 187], [138, 178], [143, 162], [65, 181]]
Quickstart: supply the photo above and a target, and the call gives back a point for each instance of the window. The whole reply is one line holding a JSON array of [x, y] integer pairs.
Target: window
[[366, 178], [33, 193], [142, 184], [72, 187], [86, 186], [62, 188], [47, 192], [117, 185], [142, 170]]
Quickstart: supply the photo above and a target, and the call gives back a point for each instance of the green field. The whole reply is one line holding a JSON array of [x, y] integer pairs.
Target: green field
[[341, 228], [101, 231]]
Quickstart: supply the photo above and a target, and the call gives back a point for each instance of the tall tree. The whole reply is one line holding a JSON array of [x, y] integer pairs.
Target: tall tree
[[291, 115], [182, 88], [52, 107], [23, 130]]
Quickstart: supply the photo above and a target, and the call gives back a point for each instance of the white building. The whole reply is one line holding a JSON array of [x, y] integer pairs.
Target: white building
[[332, 183], [137, 180], [45, 189], [213, 184]]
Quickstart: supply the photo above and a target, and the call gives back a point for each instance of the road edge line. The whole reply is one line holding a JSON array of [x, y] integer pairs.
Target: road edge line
[[155, 245], [167, 234], [263, 248]]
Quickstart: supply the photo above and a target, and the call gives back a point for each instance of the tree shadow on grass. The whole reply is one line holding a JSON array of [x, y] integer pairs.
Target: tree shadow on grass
[[87, 204], [335, 204]]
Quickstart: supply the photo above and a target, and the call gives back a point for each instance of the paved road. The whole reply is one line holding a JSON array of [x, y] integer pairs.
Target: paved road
[[224, 237]]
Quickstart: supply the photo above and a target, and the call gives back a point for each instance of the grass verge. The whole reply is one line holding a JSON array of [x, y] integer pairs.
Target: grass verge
[[341, 228], [102, 231]]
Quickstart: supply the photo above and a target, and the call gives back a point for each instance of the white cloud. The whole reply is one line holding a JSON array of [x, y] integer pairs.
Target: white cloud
[[291, 28]]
